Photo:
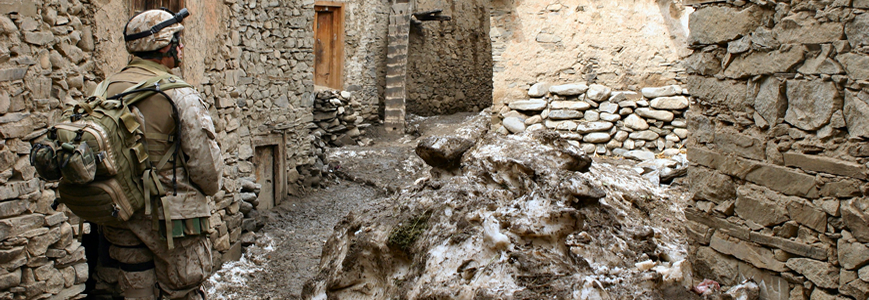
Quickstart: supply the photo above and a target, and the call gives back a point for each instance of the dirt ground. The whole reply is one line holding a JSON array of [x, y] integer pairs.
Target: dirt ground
[[287, 251]]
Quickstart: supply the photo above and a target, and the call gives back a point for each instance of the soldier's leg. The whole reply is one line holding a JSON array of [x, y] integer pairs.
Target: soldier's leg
[[106, 272], [182, 270], [137, 277]]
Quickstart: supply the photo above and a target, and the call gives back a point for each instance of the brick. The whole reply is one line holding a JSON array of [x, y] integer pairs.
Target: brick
[[841, 189], [807, 214], [758, 256], [17, 225], [855, 219], [823, 164], [783, 180], [711, 185]]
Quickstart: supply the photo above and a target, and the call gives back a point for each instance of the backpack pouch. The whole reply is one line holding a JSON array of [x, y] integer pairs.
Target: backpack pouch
[[102, 202], [43, 158], [78, 164]]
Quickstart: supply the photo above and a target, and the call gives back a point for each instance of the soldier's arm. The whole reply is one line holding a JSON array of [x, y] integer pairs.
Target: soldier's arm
[[199, 141]]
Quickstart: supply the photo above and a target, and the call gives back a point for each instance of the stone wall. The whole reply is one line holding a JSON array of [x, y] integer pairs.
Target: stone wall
[[622, 123], [257, 78], [779, 146], [621, 44], [450, 62], [45, 58]]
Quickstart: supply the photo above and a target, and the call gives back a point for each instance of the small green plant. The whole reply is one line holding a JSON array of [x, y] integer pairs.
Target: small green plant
[[406, 233]]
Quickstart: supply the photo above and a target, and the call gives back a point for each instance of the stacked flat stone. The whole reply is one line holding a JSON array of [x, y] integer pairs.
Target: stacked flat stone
[[606, 122], [337, 117], [779, 173], [45, 58], [259, 82]]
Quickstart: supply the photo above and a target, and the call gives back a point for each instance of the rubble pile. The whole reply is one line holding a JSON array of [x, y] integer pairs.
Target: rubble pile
[[779, 158], [493, 222], [603, 121], [337, 119]]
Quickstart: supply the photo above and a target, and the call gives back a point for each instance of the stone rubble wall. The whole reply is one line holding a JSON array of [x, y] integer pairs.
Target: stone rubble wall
[[449, 64], [257, 77], [603, 121], [625, 45], [778, 145], [338, 121], [45, 59]]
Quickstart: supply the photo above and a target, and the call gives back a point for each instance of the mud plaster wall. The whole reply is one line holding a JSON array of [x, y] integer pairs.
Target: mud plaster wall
[[620, 44], [779, 147], [257, 77], [450, 62]]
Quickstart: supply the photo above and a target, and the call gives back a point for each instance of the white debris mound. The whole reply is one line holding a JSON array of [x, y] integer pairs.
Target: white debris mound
[[525, 217]]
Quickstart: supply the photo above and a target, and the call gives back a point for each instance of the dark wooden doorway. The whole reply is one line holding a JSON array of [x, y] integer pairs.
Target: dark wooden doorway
[[329, 44], [265, 176]]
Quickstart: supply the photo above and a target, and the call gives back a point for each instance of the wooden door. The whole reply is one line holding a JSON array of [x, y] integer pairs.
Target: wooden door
[[265, 176], [328, 46]]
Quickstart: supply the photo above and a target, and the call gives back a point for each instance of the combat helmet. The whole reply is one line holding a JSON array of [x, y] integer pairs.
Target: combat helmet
[[152, 30]]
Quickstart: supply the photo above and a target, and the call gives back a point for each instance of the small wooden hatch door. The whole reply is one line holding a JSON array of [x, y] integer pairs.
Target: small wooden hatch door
[[328, 44]]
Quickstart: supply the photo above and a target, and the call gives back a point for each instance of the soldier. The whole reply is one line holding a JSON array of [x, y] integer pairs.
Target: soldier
[[152, 264]]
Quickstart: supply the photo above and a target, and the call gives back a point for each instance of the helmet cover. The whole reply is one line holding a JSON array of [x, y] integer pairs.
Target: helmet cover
[[143, 22]]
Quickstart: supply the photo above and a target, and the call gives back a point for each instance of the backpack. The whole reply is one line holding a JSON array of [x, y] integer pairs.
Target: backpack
[[97, 151]]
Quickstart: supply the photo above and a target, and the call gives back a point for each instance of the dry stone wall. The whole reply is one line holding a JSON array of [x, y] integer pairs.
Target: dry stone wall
[[45, 59], [623, 123], [256, 77], [779, 146], [449, 64], [620, 44]]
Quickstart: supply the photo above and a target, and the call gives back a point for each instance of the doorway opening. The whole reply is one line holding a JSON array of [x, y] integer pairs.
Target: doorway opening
[[270, 170], [329, 44]]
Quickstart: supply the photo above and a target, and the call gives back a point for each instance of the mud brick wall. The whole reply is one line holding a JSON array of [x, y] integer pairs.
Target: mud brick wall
[[779, 146]]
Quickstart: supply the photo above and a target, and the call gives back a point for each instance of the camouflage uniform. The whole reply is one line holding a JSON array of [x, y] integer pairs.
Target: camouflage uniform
[[149, 269]]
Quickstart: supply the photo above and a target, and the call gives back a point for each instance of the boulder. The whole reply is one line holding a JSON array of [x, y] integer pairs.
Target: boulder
[[528, 105], [575, 105], [705, 25], [770, 102], [538, 90], [564, 114], [443, 152], [857, 31], [597, 92], [514, 124], [664, 91], [661, 115], [823, 274], [856, 113], [646, 135], [640, 155], [568, 89], [636, 123], [589, 127], [608, 107], [811, 103], [803, 28], [672, 103], [596, 137]]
